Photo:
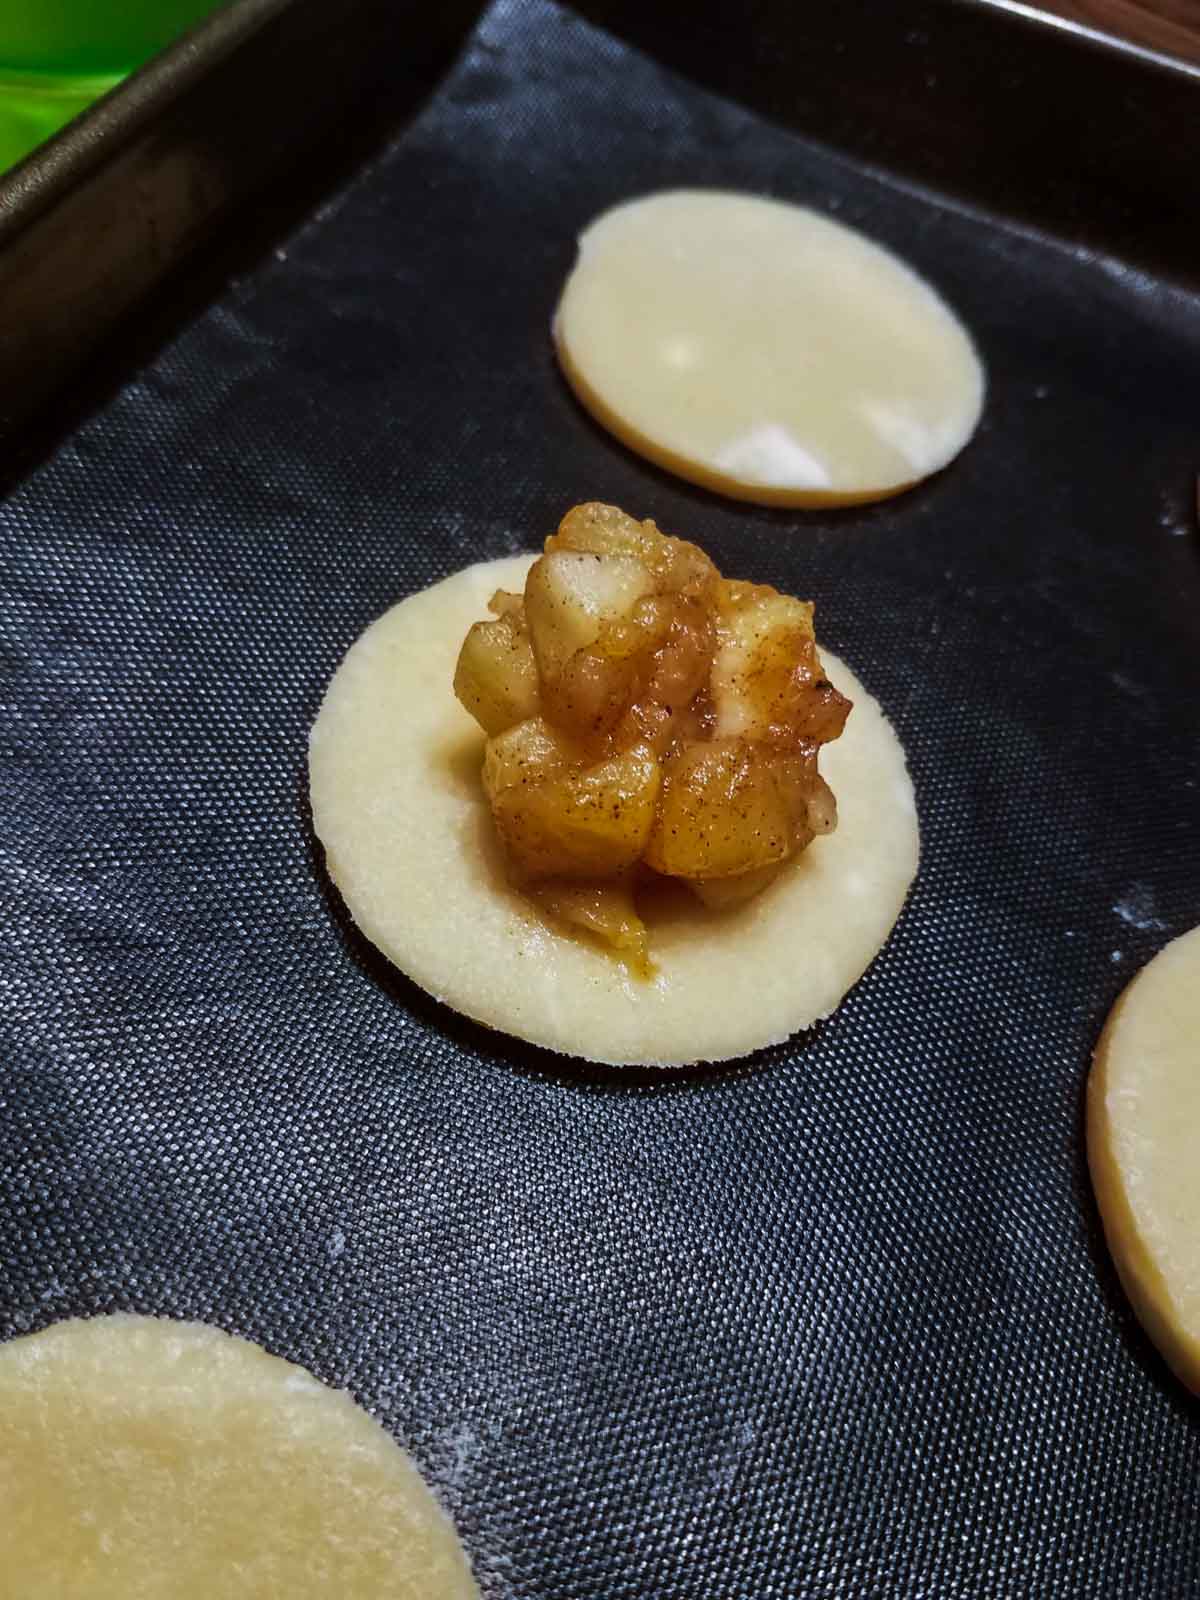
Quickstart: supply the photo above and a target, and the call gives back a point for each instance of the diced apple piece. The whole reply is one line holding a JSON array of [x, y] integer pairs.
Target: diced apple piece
[[823, 713], [604, 910], [603, 530], [506, 604], [809, 798], [523, 756], [645, 722], [683, 659], [569, 597], [760, 636], [568, 822], [592, 694], [496, 677], [750, 609], [599, 530], [721, 813], [767, 682], [647, 626], [682, 566], [599, 684]]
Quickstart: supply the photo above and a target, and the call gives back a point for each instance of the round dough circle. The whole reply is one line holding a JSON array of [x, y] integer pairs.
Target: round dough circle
[[1143, 1134], [398, 804], [141, 1457], [765, 351]]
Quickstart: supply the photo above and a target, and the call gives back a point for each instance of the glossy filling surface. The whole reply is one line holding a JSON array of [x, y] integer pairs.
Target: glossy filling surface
[[647, 719]]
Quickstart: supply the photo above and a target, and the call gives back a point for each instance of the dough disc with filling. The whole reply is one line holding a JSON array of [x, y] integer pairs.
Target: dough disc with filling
[[398, 804], [765, 351], [1143, 1132], [141, 1458]]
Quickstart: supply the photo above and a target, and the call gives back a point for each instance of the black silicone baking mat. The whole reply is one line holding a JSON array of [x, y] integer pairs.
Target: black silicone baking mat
[[835, 1322]]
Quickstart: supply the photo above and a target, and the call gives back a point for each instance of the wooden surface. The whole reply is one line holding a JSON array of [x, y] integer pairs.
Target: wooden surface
[[1169, 26]]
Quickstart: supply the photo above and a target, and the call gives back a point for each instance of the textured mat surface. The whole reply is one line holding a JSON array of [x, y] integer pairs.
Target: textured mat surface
[[835, 1323]]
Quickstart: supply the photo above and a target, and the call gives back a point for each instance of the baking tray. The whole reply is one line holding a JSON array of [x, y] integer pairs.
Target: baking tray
[[837, 1320], [216, 141]]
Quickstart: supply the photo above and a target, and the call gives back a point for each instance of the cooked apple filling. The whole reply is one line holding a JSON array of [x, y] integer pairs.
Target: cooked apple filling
[[646, 718]]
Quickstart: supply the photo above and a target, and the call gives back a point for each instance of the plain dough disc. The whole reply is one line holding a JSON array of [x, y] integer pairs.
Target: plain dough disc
[[398, 804], [765, 351], [1143, 1130], [142, 1458]]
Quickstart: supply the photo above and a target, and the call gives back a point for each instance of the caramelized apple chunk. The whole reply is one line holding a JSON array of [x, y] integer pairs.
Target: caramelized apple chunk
[[722, 812], [560, 816], [496, 677], [767, 682], [643, 712], [600, 530]]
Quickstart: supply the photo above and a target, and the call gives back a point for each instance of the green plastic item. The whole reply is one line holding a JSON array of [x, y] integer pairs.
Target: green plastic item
[[57, 56]]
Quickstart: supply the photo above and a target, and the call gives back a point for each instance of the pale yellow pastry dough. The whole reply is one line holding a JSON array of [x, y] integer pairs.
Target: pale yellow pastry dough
[[397, 801], [142, 1459], [1143, 1130], [764, 350]]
